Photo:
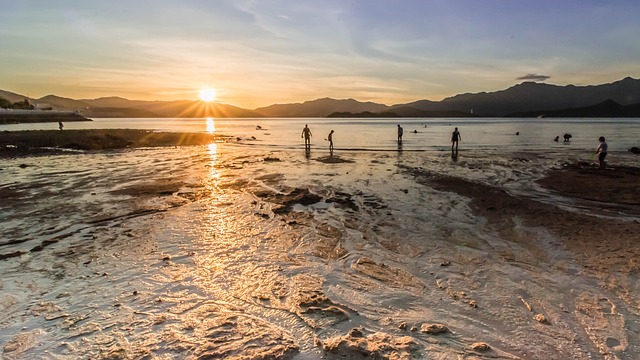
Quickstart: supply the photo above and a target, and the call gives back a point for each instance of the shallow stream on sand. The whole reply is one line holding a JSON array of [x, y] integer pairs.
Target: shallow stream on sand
[[233, 250]]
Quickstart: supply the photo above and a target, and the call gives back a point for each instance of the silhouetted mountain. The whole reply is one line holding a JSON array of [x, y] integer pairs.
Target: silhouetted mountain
[[62, 103], [11, 97], [527, 96], [401, 112], [426, 105], [410, 111], [364, 114], [320, 108], [117, 112], [607, 108], [114, 102], [524, 98], [530, 96]]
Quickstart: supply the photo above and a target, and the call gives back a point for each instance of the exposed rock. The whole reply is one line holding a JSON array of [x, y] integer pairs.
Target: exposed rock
[[541, 319], [434, 329], [480, 346], [378, 345]]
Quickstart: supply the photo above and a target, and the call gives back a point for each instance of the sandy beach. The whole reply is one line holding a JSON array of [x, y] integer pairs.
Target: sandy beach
[[224, 250]]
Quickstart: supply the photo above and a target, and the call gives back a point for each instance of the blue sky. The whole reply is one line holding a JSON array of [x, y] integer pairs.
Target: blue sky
[[257, 53]]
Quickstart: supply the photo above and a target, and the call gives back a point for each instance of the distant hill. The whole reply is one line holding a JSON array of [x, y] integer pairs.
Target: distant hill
[[116, 112], [12, 97], [530, 96], [522, 99], [364, 114], [401, 112], [320, 108], [114, 102], [61, 103], [607, 108]]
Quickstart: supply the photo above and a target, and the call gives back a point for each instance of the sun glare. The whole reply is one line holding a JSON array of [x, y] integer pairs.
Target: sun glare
[[208, 95], [211, 126]]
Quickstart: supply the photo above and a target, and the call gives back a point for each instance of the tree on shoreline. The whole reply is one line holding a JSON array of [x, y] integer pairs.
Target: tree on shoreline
[[4, 103], [23, 105]]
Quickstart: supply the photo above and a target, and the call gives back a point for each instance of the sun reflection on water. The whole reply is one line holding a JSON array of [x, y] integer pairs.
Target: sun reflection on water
[[211, 125]]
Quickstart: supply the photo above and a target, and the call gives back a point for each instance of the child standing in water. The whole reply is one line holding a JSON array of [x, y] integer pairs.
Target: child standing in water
[[601, 150], [330, 139]]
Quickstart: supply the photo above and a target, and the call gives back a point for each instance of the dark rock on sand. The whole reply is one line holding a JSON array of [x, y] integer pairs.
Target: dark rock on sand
[[343, 200], [10, 255], [434, 329], [287, 201]]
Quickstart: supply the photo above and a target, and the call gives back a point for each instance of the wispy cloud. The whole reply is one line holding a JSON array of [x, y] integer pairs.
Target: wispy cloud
[[534, 77], [260, 52]]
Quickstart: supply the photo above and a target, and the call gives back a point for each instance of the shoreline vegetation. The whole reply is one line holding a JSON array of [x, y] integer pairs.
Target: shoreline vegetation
[[32, 142]]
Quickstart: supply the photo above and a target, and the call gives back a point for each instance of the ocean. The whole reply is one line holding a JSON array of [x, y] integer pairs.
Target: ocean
[[431, 134]]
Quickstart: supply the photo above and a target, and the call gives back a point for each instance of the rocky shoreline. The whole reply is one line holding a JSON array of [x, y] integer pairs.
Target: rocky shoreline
[[11, 117], [19, 143]]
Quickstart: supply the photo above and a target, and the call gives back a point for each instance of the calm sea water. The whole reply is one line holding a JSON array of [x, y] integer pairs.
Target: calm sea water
[[380, 134]]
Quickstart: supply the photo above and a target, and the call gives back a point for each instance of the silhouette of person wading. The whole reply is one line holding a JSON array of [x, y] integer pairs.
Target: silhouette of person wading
[[400, 132], [455, 137], [601, 151], [330, 140], [306, 134]]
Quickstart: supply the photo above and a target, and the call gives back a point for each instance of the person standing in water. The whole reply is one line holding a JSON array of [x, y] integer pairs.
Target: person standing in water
[[601, 150], [60, 125], [455, 137], [330, 139], [400, 132], [306, 134]]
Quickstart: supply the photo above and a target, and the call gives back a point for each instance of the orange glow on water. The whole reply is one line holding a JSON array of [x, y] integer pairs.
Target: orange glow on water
[[211, 125]]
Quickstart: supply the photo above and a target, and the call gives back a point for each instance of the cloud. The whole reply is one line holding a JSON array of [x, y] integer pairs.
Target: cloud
[[534, 77]]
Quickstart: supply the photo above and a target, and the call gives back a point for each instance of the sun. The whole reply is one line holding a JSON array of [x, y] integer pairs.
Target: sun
[[208, 94]]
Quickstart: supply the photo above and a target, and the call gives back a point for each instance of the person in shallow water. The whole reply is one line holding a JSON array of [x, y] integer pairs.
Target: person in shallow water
[[330, 140], [306, 134], [455, 137], [60, 125], [601, 150], [400, 131]]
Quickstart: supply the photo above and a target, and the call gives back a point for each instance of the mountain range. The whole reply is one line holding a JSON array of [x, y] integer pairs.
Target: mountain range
[[528, 99]]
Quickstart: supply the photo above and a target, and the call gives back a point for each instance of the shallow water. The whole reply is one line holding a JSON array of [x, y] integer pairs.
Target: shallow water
[[183, 253], [381, 134]]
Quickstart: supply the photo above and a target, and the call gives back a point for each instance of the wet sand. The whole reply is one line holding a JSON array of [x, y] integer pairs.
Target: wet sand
[[17, 143], [237, 252]]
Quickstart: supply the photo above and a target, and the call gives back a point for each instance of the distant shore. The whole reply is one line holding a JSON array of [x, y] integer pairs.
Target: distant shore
[[18, 143], [37, 116]]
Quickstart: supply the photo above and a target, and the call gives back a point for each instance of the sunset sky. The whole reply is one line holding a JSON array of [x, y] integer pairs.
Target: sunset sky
[[256, 53]]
